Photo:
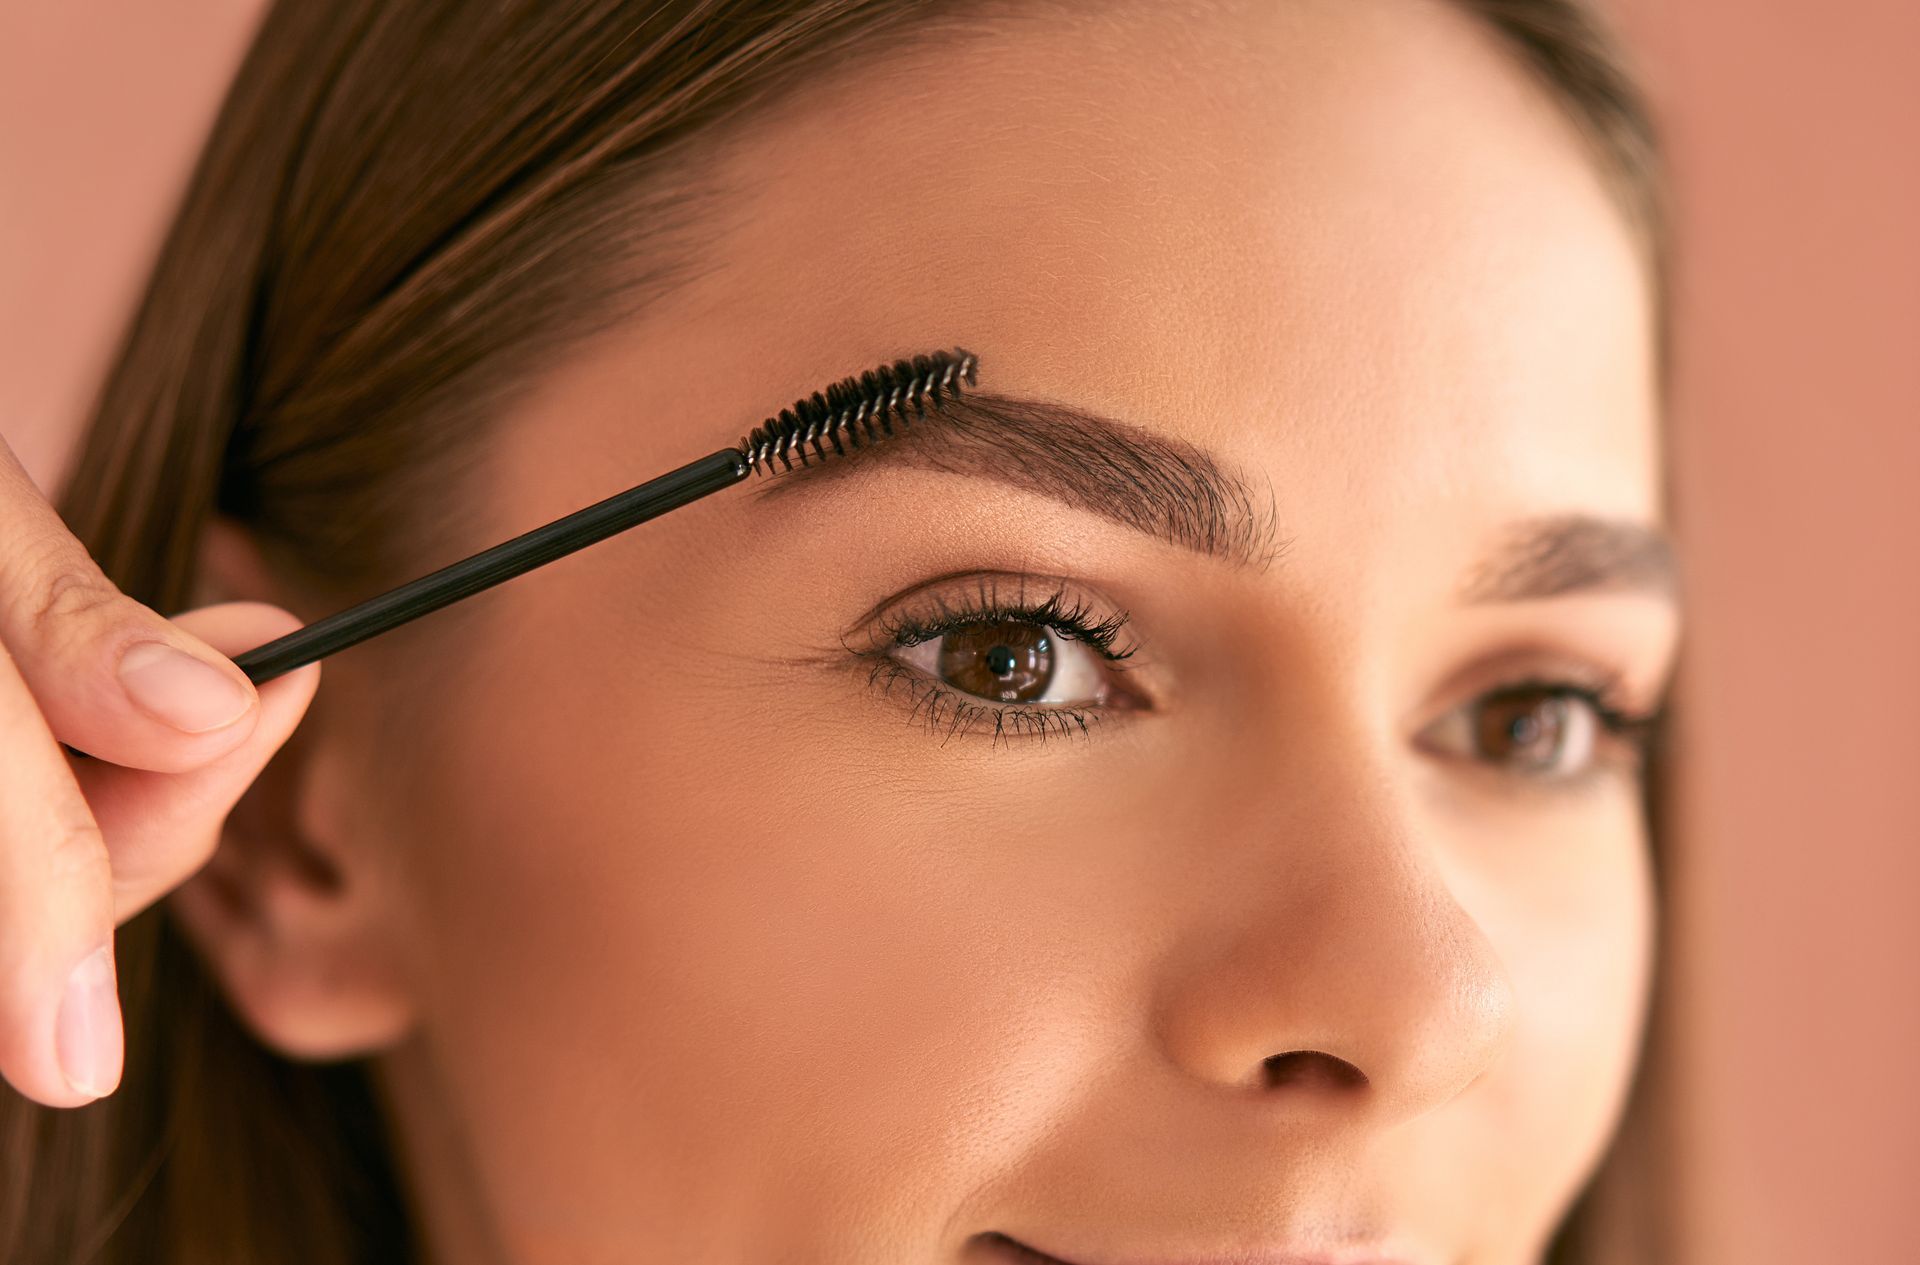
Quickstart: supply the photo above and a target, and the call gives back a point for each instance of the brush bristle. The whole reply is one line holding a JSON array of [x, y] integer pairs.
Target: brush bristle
[[855, 412]]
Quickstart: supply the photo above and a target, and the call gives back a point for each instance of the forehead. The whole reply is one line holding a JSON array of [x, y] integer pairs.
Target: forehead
[[1349, 245]]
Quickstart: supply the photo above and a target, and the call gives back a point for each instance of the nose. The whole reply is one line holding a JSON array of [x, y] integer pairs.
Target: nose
[[1333, 964]]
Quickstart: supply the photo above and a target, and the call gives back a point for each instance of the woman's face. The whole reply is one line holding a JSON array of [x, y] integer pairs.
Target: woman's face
[[729, 929]]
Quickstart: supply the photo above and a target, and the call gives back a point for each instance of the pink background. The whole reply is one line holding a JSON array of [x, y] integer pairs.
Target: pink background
[[1795, 134]]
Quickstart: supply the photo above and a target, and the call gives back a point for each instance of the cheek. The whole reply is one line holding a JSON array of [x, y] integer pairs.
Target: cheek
[[1574, 928], [657, 955], [676, 977]]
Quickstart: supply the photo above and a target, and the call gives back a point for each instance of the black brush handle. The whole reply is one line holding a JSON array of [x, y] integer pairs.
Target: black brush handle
[[492, 566], [872, 407]]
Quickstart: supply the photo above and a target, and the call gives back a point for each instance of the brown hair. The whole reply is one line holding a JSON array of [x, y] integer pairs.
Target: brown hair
[[402, 211]]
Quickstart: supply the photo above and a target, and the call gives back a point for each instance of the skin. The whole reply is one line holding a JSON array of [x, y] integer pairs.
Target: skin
[[675, 939]]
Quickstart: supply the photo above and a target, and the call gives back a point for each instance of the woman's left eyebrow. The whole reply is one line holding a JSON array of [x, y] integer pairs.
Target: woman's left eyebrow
[[1153, 483], [1559, 555]]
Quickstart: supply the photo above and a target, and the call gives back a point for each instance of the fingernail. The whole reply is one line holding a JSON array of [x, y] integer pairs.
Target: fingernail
[[87, 1033], [173, 686]]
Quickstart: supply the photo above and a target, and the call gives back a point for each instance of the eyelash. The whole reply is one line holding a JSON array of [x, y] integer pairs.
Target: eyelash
[[940, 706], [1603, 698], [1075, 621], [1601, 690]]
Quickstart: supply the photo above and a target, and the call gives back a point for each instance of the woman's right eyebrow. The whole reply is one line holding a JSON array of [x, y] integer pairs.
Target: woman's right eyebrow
[[1162, 486]]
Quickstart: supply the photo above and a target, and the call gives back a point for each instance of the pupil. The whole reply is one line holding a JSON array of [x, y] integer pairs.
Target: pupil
[[1006, 661], [1524, 728]]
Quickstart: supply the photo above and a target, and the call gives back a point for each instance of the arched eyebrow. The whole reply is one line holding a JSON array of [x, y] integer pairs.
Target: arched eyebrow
[[1179, 493], [1153, 483]]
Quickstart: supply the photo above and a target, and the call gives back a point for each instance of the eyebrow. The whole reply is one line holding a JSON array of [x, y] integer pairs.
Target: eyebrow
[[1179, 493], [1558, 555]]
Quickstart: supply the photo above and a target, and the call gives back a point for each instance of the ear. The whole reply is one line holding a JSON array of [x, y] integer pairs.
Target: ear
[[291, 920]]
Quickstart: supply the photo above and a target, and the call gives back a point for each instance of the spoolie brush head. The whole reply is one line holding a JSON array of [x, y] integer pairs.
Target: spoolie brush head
[[855, 412]]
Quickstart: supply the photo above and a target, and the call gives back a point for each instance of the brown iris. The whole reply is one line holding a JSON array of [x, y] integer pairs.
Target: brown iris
[[1007, 661], [1523, 727]]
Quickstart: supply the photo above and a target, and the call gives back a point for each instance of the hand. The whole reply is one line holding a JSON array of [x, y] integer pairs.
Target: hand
[[176, 732]]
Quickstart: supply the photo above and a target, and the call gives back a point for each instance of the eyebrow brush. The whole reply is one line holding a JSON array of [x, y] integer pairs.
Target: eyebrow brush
[[853, 413]]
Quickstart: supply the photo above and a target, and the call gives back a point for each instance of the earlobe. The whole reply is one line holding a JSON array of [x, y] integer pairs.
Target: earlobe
[[294, 935], [292, 929]]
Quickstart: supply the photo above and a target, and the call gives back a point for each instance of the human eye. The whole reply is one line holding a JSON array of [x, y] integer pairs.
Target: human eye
[[1013, 655], [1564, 729]]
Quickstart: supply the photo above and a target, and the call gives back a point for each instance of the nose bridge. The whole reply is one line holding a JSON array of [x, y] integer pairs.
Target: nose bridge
[[1333, 941]]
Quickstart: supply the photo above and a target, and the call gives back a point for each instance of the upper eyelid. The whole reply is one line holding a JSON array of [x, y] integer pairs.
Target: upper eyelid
[[1071, 623], [988, 594], [1537, 662], [1044, 584]]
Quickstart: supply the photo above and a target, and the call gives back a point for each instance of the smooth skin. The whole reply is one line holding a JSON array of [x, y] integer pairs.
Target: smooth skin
[[673, 938]]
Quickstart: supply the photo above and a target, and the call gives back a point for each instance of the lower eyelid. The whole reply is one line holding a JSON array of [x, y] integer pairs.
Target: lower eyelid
[[949, 712]]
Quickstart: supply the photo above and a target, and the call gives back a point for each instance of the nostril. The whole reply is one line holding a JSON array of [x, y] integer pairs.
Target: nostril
[[1311, 1067]]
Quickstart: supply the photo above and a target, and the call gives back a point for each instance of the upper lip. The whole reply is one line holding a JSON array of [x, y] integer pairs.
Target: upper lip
[[1353, 1254]]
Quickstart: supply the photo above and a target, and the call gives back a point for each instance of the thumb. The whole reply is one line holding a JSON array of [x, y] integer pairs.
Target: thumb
[[161, 827]]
